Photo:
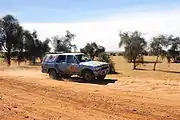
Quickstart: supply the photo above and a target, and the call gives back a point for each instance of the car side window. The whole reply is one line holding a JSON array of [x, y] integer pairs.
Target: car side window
[[75, 60], [61, 58], [70, 59], [50, 58]]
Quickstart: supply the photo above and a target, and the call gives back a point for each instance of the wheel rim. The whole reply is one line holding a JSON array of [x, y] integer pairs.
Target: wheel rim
[[88, 76]]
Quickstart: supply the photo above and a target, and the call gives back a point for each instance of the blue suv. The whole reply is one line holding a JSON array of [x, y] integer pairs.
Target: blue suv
[[67, 64]]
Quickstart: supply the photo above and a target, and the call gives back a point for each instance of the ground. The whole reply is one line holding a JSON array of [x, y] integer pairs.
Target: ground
[[26, 93]]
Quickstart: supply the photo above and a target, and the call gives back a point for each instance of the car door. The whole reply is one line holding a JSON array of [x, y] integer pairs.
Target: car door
[[61, 64], [73, 66]]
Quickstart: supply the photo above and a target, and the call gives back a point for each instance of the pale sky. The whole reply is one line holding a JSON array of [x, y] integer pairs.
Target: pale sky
[[100, 24]]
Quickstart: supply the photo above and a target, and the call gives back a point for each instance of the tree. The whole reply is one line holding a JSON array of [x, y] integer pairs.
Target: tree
[[134, 45], [88, 50], [19, 45], [30, 45], [63, 44], [10, 35], [157, 45], [34, 47], [92, 49], [45, 47], [59, 45], [68, 38], [174, 50]]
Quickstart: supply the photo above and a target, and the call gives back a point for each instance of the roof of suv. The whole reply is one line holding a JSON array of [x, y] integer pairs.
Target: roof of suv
[[66, 54], [72, 53]]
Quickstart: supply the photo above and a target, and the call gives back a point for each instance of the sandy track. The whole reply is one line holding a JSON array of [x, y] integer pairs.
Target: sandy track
[[28, 94]]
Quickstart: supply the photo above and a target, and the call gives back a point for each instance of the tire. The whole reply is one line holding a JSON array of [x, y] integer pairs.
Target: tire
[[53, 75], [101, 77], [88, 75]]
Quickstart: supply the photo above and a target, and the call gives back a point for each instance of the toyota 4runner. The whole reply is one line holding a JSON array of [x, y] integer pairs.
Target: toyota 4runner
[[67, 64]]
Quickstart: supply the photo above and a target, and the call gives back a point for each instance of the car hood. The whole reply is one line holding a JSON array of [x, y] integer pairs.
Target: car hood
[[93, 63]]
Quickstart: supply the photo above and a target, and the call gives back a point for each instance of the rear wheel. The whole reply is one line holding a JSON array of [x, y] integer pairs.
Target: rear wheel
[[53, 75], [88, 75]]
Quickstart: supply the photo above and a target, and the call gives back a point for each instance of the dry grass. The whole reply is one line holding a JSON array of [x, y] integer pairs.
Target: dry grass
[[164, 71]]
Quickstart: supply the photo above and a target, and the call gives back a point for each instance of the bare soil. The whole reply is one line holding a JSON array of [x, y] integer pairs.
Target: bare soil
[[26, 93]]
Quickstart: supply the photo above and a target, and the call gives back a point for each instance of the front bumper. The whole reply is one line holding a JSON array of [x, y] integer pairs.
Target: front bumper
[[101, 72]]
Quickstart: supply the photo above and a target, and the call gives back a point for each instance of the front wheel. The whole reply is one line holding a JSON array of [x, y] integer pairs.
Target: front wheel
[[88, 76], [53, 75]]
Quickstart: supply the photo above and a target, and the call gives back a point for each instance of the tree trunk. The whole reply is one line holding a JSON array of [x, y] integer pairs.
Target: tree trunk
[[174, 59], [134, 62], [33, 60], [18, 59], [155, 63], [41, 59], [92, 57], [131, 61], [9, 57]]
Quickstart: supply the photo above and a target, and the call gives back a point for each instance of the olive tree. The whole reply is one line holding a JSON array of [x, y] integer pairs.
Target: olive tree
[[64, 43], [157, 47], [34, 48], [10, 35], [134, 45], [174, 50], [93, 50]]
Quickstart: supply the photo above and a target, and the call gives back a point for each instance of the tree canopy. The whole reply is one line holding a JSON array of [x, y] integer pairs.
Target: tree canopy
[[157, 45], [24, 44], [64, 43], [174, 50], [10, 35], [34, 47], [134, 45], [92, 49], [20, 43]]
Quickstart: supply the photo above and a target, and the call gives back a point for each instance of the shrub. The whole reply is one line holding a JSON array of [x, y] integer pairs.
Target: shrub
[[104, 57]]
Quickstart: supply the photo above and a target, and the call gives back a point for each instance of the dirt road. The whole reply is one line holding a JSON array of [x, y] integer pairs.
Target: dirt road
[[28, 94]]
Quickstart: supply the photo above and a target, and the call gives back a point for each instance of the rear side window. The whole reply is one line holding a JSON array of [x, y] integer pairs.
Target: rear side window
[[49, 58], [44, 59], [70, 59], [61, 58]]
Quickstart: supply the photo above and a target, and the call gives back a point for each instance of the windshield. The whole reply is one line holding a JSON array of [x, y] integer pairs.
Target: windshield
[[83, 58]]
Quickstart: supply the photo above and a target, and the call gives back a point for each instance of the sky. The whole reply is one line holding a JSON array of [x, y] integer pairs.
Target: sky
[[95, 20]]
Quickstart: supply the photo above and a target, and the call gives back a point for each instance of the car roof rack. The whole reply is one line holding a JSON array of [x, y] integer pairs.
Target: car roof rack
[[54, 52]]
